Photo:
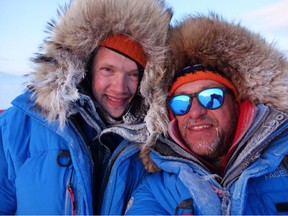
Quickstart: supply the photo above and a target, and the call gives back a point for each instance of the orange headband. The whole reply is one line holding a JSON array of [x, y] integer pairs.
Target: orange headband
[[128, 47], [202, 75]]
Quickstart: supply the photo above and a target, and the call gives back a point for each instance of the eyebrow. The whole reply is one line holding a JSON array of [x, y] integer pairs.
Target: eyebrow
[[109, 65], [134, 70], [201, 89]]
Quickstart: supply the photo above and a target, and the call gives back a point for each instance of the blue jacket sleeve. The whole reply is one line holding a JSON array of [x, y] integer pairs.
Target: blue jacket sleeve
[[158, 194], [7, 189], [144, 202]]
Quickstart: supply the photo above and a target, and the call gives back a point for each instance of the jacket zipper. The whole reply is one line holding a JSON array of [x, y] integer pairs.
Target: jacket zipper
[[71, 193]]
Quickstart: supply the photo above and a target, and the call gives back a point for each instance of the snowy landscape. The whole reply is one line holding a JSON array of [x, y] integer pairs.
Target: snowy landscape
[[10, 86]]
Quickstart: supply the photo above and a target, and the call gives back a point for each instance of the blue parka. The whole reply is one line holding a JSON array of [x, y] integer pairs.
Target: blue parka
[[46, 166], [46, 170], [253, 176], [255, 181]]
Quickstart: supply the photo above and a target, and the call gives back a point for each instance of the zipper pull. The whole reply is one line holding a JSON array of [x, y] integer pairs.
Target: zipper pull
[[72, 198], [70, 195]]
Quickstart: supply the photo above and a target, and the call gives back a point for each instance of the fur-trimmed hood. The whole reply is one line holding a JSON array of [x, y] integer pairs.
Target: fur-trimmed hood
[[258, 70], [82, 26]]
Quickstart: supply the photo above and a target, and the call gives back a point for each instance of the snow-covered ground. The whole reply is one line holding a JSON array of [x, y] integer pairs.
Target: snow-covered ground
[[10, 86]]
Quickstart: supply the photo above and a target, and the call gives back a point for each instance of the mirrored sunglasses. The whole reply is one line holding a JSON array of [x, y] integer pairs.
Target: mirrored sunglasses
[[210, 98]]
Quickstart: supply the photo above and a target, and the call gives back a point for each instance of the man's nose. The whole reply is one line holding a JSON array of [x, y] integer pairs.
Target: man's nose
[[196, 109], [119, 83]]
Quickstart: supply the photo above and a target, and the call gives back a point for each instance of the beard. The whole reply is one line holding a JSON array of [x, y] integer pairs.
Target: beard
[[213, 142]]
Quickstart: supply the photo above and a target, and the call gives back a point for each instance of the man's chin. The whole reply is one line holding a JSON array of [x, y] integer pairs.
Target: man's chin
[[204, 145], [116, 114]]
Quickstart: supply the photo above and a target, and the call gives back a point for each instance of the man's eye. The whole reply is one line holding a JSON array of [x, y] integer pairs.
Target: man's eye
[[107, 69], [134, 75]]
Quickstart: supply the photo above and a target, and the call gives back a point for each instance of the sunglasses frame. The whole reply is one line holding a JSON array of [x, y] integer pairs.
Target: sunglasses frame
[[196, 94]]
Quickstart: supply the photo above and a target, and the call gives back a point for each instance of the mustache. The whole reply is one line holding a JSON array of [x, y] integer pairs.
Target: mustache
[[207, 119]]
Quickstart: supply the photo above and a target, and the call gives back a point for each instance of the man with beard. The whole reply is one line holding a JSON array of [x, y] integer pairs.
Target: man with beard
[[226, 152], [206, 129]]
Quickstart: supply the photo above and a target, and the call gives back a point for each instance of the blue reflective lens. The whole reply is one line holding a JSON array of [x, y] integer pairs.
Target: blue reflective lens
[[180, 104], [211, 98]]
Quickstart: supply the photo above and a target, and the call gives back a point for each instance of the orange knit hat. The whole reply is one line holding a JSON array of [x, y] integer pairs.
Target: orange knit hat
[[128, 47], [193, 73]]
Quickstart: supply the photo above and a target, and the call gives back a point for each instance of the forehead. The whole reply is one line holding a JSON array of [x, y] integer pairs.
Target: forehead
[[107, 56], [104, 52], [196, 86]]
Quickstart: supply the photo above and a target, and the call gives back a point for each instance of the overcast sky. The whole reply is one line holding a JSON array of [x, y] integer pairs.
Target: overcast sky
[[23, 22]]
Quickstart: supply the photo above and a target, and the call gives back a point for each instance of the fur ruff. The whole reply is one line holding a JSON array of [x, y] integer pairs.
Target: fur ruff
[[82, 26], [258, 70]]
